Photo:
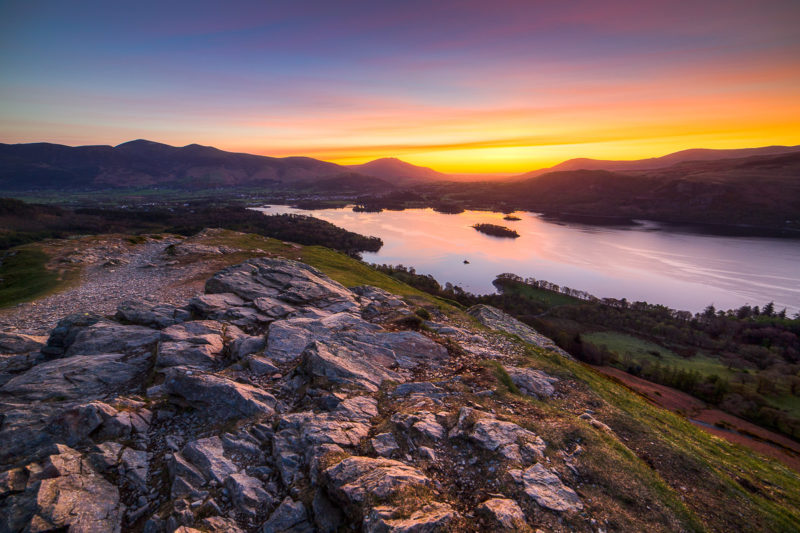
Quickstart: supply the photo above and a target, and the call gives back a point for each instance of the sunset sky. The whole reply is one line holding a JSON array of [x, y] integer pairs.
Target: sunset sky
[[463, 87]]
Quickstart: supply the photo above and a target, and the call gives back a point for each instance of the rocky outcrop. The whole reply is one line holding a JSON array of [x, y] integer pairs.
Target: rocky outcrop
[[494, 318], [279, 401]]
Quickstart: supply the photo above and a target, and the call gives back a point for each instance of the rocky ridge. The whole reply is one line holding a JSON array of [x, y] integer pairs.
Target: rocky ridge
[[277, 401]]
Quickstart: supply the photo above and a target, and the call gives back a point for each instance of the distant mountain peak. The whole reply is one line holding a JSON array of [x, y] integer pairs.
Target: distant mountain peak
[[394, 168]]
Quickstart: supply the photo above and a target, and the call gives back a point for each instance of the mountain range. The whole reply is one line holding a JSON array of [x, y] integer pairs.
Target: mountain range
[[143, 163]]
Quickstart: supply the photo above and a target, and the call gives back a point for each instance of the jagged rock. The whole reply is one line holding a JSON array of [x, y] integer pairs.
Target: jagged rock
[[247, 493], [360, 480], [16, 343], [287, 339], [261, 365], [63, 335], [158, 316], [504, 513], [532, 382], [422, 426], [494, 318], [546, 489], [384, 444], [429, 518], [242, 446], [13, 364], [377, 302], [106, 456], [302, 437], [245, 345], [294, 283], [79, 377], [500, 436], [339, 365], [76, 497], [209, 304], [289, 517], [75, 424], [136, 464], [207, 456], [222, 397], [108, 337], [196, 344]]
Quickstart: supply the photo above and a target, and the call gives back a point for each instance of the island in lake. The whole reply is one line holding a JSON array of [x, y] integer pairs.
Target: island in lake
[[496, 231], [511, 217]]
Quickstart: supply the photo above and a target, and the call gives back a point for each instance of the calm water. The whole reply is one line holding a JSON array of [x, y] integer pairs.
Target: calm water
[[681, 270]]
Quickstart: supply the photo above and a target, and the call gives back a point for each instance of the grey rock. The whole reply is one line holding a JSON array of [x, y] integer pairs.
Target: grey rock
[[384, 444], [109, 337], [79, 377], [261, 365], [429, 518], [505, 514], [17, 343], [336, 364], [546, 489], [65, 332], [496, 435], [217, 524], [247, 493], [290, 517], [207, 456], [358, 480], [209, 304], [136, 464], [222, 397], [494, 318], [159, 316], [532, 382], [327, 516]]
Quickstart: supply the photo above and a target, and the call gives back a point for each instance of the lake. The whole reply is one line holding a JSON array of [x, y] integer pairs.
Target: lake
[[680, 269]]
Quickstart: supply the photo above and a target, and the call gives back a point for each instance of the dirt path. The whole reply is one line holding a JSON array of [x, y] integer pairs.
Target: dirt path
[[716, 422], [114, 270]]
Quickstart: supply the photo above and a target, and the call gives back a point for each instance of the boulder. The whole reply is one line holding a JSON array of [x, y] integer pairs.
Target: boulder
[[357, 481], [546, 489], [63, 335], [532, 382], [211, 304], [220, 397], [429, 518], [328, 363], [506, 438], [504, 514], [248, 494], [384, 444]]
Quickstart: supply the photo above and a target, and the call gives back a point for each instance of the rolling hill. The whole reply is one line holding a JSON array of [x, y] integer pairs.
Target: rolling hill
[[144, 163], [390, 168], [694, 154]]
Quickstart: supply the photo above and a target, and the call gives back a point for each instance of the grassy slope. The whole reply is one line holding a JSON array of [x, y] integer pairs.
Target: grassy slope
[[24, 276]]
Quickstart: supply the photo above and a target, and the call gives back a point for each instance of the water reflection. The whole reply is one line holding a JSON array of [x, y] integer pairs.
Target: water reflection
[[678, 269]]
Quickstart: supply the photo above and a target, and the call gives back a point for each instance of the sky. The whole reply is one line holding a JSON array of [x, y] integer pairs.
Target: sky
[[463, 87]]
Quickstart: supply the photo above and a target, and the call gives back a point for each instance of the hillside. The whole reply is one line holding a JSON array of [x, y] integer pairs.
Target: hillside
[[693, 154], [392, 169], [144, 163], [278, 399]]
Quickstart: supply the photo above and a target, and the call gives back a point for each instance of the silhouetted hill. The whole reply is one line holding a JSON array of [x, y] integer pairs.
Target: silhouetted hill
[[390, 168], [762, 191], [144, 163], [694, 154]]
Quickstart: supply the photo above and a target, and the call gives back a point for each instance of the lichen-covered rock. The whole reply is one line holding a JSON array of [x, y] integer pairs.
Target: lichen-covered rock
[[247, 493], [546, 489], [196, 344], [339, 365], [358, 480], [384, 444]]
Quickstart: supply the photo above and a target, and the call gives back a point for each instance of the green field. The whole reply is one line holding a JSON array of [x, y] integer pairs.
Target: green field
[[640, 350], [545, 297], [23, 276]]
